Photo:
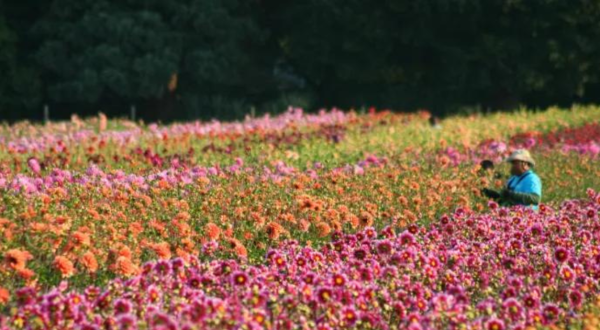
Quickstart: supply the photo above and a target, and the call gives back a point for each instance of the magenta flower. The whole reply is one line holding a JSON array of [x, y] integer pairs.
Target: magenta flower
[[195, 282], [360, 254], [561, 254], [162, 268], [339, 280], [567, 274], [349, 316], [126, 321], [324, 295], [34, 165], [530, 302], [513, 309], [239, 278], [550, 313], [494, 324], [122, 306], [575, 299], [407, 238], [384, 247], [591, 213]]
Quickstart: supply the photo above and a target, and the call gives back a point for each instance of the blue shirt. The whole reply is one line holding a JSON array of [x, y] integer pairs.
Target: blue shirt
[[528, 182]]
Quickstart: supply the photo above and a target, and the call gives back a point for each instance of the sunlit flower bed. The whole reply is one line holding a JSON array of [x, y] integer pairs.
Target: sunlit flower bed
[[504, 269], [89, 206]]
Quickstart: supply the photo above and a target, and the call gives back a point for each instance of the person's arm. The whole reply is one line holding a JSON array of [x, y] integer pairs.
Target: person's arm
[[522, 198], [496, 194], [490, 193]]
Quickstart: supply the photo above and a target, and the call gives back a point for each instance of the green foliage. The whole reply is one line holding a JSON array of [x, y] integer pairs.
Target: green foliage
[[19, 86], [442, 55], [7, 55], [98, 50]]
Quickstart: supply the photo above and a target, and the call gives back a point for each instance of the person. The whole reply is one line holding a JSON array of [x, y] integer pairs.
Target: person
[[524, 187], [435, 122]]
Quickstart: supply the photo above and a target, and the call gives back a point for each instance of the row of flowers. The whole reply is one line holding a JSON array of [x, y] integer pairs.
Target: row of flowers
[[148, 149], [26, 138], [92, 223], [506, 269], [99, 225], [584, 140], [175, 175], [180, 173]]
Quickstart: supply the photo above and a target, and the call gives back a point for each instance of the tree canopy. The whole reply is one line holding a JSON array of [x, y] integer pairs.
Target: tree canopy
[[183, 59]]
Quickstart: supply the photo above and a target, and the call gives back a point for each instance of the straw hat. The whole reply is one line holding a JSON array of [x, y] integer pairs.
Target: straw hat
[[522, 155]]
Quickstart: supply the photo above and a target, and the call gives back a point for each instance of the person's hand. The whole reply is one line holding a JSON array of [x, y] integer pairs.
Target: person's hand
[[489, 193]]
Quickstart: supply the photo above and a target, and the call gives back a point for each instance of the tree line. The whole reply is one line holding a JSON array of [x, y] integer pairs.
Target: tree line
[[185, 59]]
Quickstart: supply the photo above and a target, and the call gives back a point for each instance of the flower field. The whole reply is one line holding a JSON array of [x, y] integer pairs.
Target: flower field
[[334, 220]]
